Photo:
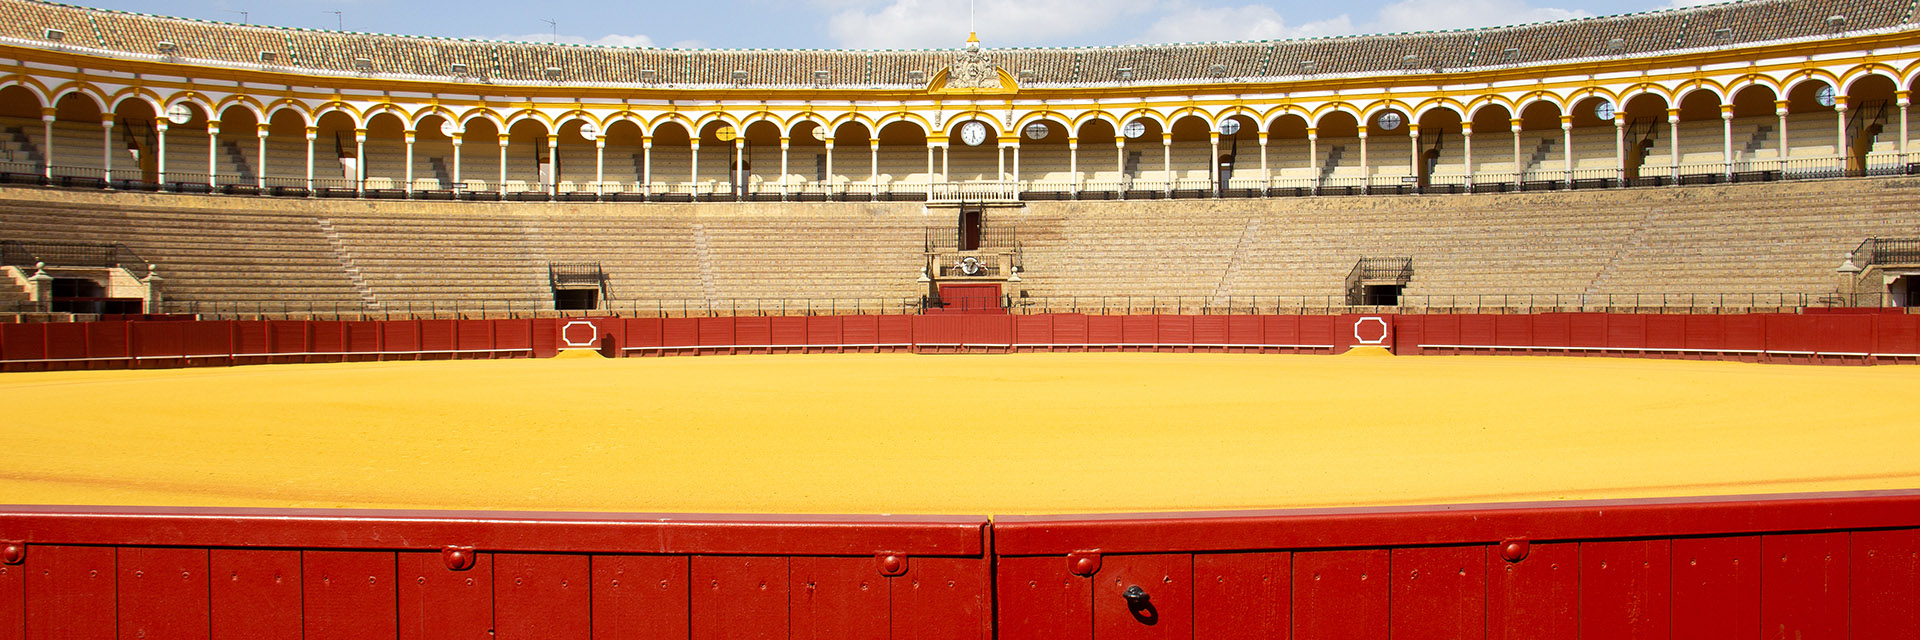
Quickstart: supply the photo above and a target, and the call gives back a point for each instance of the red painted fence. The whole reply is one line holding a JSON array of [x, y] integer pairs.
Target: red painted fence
[[1803, 566], [1876, 337]]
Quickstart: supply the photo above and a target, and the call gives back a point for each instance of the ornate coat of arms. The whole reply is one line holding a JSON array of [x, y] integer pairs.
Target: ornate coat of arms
[[972, 69]]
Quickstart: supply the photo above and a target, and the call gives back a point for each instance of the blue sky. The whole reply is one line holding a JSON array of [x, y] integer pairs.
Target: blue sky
[[797, 24]]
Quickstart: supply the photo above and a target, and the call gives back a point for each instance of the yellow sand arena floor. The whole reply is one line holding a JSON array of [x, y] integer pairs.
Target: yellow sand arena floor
[[1036, 433]]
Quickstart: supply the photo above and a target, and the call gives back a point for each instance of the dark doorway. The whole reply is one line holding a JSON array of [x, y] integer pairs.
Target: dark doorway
[[1382, 295], [1226, 173], [576, 299], [971, 220]]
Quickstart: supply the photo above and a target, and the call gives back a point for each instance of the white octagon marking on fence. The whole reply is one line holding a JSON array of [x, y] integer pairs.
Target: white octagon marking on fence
[[566, 333], [1383, 330]]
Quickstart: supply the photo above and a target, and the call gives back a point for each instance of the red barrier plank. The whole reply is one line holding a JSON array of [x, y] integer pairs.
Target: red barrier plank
[[896, 329], [1513, 331], [1845, 333], [210, 339], [1439, 593], [679, 332], [1242, 596], [1745, 333], [824, 330], [942, 599], [158, 339], [255, 594], [1886, 583], [1587, 330], [1626, 331], [1039, 600], [1318, 330], [643, 332], [1409, 332], [438, 602], [473, 335], [348, 594], [1069, 328], [1280, 329], [437, 335], [251, 337], [838, 598], [860, 329], [939, 329], [1537, 597], [69, 593], [1705, 332], [287, 336], [640, 597], [1787, 332], [13, 602], [1441, 329], [1106, 329], [1174, 329], [1478, 329], [66, 340], [739, 598], [1716, 588], [1244, 330], [1168, 612], [163, 594], [1210, 329], [1666, 332], [1035, 329], [789, 330], [400, 336], [542, 596], [1139, 330], [1896, 333], [364, 337], [986, 329], [1552, 330], [544, 337], [1803, 585], [613, 334], [327, 336], [716, 332], [1340, 594], [753, 331], [23, 341], [1625, 589]]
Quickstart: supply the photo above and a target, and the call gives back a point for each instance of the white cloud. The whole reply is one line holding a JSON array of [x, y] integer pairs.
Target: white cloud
[[1430, 15], [913, 24], [610, 40], [1186, 23]]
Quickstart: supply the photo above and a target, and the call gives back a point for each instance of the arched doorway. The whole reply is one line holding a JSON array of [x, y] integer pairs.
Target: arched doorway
[[1871, 113], [1646, 116], [1438, 167]]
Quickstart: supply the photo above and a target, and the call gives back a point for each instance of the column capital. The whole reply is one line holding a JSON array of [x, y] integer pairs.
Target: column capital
[[106, 122], [408, 136], [48, 113], [262, 129], [1263, 137], [313, 133], [504, 139]]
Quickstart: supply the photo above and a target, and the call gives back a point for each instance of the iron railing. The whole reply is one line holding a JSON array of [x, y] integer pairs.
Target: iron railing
[[1884, 251], [579, 275], [946, 238]]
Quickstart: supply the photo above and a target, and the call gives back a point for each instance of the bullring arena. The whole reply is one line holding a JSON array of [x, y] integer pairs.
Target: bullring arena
[[1587, 329]]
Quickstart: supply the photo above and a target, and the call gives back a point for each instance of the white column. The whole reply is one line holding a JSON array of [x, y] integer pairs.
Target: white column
[[1120, 158], [1780, 111], [1903, 99], [459, 182], [600, 164], [740, 180], [1566, 141], [360, 159], [946, 166], [1366, 172], [646, 165], [260, 164], [1313, 156], [1726, 140], [1213, 159], [873, 162], [1840, 136], [1466, 146], [829, 185], [213, 154], [408, 137], [1000, 163], [1016, 166], [312, 134], [1166, 161], [1673, 143], [784, 143], [160, 151], [1073, 166], [501, 186], [553, 161], [1620, 147], [693, 164], [1518, 169], [106, 149], [1413, 150], [929, 169], [1266, 177], [46, 121]]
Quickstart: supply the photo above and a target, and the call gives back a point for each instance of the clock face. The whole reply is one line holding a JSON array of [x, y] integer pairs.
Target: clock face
[[1825, 96], [1134, 129], [973, 133]]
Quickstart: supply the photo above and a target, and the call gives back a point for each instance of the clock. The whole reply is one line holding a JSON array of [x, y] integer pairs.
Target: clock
[[973, 133]]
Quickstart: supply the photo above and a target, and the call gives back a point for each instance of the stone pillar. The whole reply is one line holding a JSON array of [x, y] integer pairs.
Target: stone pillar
[[1726, 140], [213, 154], [1840, 130], [501, 185], [1073, 167], [106, 149], [829, 186], [784, 144], [1266, 177], [40, 288], [693, 164], [1413, 150], [1566, 151], [1120, 158], [600, 165], [46, 120], [1903, 99], [1466, 146], [1366, 172], [1166, 160], [1780, 111], [1620, 146], [408, 136], [553, 162], [160, 150], [458, 181], [1519, 170], [873, 161], [154, 285], [1213, 160], [1313, 156], [646, 165], [260, 163], [360, 159], [1673, 143]]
